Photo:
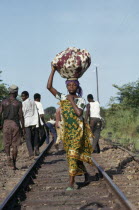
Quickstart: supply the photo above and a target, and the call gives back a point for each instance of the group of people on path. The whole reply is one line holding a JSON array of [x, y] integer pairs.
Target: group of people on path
[[34, 122], [80, 136], [25, 119]]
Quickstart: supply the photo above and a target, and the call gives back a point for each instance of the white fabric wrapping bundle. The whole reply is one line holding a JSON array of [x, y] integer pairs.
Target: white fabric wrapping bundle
[[72, 62]]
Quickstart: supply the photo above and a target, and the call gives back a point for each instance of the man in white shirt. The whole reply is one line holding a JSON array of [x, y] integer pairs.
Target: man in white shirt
[[93, 113], [41, 130], [31, 121]]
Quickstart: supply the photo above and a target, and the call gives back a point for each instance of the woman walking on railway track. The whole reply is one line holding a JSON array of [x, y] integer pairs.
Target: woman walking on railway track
[[77, 135]]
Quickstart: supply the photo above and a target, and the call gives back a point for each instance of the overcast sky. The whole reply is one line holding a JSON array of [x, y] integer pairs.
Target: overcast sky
[[32, 32]]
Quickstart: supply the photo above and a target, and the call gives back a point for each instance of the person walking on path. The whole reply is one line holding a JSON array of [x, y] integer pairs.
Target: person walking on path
[[93, 113], [77, 134], [12, 115], [31, 119], [41, 129], [59, 127], [50, 124]]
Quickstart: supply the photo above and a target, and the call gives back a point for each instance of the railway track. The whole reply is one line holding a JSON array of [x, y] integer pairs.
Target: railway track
[[122, 166], [43, 187], [16, 194], [118, 145]]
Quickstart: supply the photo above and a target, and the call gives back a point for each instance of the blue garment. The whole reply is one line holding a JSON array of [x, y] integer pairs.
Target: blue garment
[[52, 130]]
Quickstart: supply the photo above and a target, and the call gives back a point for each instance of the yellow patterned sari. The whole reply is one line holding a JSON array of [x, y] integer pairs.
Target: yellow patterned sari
[[77, 138]]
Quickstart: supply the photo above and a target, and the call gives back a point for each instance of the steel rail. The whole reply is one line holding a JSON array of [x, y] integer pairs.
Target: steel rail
[[114, 187], [22, 184]]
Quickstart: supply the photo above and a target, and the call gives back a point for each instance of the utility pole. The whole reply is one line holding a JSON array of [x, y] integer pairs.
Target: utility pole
[[97, 84]]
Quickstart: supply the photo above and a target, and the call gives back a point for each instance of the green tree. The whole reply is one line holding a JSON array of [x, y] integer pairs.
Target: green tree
[[49, 112], [128, 95], [3, 89], [3, 94]]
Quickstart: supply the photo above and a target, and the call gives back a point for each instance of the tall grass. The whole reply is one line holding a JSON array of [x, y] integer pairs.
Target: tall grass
[[122, 126]]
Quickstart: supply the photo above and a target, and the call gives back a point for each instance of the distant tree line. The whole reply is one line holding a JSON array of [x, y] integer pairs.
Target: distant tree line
[[3, 89], [49, 112], [128, 94]]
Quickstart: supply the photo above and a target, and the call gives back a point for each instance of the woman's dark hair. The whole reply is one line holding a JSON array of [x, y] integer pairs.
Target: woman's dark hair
[[25, 93], [79, 89]]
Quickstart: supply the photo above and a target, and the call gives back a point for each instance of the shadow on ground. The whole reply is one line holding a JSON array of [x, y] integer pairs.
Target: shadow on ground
[[120, 167]]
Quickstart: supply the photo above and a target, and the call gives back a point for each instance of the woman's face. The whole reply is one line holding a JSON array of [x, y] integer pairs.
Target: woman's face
[[72, 87]]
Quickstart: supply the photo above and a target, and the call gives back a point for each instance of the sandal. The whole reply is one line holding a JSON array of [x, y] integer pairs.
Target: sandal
[[69, 188]]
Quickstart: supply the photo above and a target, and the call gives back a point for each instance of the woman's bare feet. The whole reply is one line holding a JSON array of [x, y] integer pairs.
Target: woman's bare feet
[[71, 181]]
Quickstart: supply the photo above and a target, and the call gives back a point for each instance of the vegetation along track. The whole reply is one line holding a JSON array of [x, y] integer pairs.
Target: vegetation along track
[[43, 186]]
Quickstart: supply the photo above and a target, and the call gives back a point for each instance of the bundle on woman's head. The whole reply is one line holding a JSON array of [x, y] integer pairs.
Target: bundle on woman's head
[[79, 89], [72, 63]]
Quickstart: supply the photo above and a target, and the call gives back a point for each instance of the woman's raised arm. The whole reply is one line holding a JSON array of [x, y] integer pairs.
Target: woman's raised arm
[[50, 82]]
